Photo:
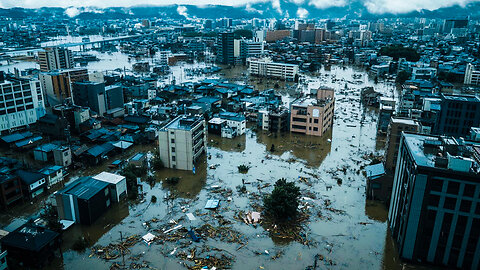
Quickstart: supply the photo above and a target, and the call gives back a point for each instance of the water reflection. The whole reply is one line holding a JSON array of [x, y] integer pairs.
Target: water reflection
[[236, 144], [94, 232], [312, 149], [190, 184]]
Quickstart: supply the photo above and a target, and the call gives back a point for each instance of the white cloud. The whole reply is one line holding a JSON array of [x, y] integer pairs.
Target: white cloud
[[382, 6], [276, 5], [302, 13], [375, 6], [72, 12], [330, 3], [182, 11], [249, 8]]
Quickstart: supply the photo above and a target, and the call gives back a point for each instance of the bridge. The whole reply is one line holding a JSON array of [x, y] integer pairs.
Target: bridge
[[102, 41]]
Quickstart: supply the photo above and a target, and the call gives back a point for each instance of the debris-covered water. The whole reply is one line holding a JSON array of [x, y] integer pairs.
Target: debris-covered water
[[341, 229]]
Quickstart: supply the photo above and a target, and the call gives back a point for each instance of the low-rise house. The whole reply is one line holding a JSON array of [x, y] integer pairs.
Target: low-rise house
[[62, 156], [117, 184], [10, 190], [53, 174], [44, 152], [235, 121], [83, 201], [31, 246], [379, 185], [139, 159], [33, 183]]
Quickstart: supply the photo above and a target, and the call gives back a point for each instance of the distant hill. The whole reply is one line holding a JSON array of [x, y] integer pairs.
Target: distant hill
[[353, 10]]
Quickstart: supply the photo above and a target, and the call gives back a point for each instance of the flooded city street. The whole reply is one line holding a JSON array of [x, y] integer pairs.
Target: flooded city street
[[342, 230]]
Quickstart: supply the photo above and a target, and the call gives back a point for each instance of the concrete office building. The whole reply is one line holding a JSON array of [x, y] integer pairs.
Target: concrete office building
[[113, 97], [91, 95], [182, 142], [434, 213], [52, 58], [457, 115], [57, 84], [313, 115], [394, 134], [21, 103], [265, 67]]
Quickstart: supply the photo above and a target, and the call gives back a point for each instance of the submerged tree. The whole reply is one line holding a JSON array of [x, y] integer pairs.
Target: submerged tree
[[283, 203], [50, 216]]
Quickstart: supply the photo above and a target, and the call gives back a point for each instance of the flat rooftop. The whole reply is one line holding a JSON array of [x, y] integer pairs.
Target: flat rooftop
[[184, 122], [109, 177]]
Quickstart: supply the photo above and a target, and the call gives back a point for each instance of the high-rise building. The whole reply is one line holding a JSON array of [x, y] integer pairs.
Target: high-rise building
[[434, 213], [91, 95], [52, 58], [113, 97], [457, 115], [472, 75], [182, 142], [57, 84], [313, 115], [21, 103], [226, 48]]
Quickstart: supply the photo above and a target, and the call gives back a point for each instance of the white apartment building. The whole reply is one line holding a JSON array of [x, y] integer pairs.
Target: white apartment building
[[21, 103], [472, 75], [182, 142], [254, 49], [265, 67]]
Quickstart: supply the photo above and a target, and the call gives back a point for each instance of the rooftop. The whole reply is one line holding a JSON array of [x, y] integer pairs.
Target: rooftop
[[109, 177], [184, 122], [84, 188], [443, 152]]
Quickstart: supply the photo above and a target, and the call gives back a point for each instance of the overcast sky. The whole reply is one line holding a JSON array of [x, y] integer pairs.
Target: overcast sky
[[375, 6]]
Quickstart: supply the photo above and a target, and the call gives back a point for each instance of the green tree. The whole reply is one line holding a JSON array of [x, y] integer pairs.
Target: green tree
[[397, 51], [402, 76], [50, 215], [243, 33], [157, 162], [283, 203]]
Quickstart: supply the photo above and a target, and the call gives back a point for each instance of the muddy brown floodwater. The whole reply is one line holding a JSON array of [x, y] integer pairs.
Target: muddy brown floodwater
[[348, 231]]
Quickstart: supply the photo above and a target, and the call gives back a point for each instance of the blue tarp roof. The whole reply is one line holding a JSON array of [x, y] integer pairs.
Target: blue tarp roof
[[375, 171], [16, 137], [28, 141]]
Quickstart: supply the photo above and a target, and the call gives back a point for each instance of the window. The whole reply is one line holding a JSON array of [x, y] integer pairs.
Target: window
[[449, 203], [106, 192], [172, 140], [173, 149], [108, 202], [465, 206], [315, 121], [173, 158]]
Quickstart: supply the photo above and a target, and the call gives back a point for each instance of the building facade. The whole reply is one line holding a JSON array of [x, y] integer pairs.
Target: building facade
[[91, 95], [267, 68], [434, 214], [57, 84], [182, 142], [52, 58], [21, 103], [226, 48], [472, 75], [394, 134], [313, 115], [458, 114]]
